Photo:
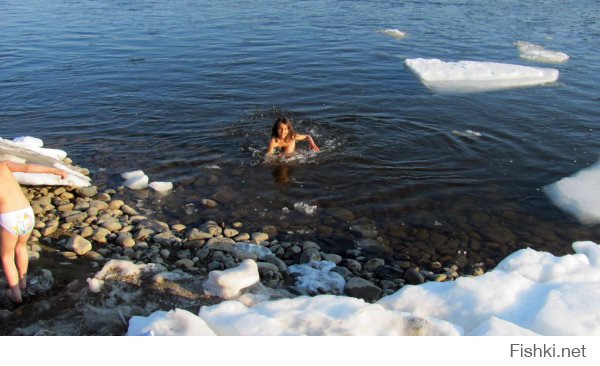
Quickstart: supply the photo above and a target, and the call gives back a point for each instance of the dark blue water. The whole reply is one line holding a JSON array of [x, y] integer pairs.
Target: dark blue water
[[178, 88]]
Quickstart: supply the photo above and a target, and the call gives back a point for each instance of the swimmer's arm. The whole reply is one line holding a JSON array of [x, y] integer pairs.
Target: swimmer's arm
[[272, 146], [34, 168], [311, 142]]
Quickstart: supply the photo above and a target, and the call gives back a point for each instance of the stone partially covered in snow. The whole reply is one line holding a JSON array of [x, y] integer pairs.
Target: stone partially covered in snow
[[578, 194], [533, 52], [228, 284], [475, 76], [173, 323]]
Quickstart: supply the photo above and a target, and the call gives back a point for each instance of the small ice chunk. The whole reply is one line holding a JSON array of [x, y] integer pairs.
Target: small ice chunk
[[475, 76], [227, 284], [395, 33], [533, 52], [132, 174], [28, 141], [578, 194], [137, 182], [305, 208], [161, 186]]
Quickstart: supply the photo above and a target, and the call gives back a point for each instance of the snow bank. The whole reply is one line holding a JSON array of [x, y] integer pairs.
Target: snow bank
[[474, 76], [529, 293], [533, 52], [578, 194]]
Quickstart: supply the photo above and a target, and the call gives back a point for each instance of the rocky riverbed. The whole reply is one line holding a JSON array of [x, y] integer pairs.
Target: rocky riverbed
[[79, 230]]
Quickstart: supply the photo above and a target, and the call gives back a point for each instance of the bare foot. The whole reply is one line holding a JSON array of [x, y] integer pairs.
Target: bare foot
[[23, 283], [16, 298]]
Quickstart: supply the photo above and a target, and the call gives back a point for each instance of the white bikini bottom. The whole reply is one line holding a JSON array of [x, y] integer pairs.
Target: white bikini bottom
[[18, 222]]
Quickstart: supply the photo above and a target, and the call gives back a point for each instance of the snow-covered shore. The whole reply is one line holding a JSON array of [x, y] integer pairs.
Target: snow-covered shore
[[529, 293]]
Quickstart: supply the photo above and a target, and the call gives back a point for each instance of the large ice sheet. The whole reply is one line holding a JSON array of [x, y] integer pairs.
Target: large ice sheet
[[475, 76], [578, 194]]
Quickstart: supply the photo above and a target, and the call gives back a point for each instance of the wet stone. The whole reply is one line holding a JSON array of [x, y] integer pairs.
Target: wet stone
[[413, 277]]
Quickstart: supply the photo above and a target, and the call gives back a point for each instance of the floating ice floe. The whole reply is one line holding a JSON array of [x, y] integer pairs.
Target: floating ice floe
[[475, 76], [533, 52], [578, 194], [28, 150], [395, 33], [528, 293]]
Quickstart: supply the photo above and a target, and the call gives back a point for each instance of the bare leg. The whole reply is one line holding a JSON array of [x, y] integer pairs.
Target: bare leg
[[8, 242], [22, 257]]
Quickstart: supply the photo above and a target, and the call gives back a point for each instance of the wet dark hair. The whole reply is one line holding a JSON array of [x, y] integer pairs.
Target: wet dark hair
[[286, 121]]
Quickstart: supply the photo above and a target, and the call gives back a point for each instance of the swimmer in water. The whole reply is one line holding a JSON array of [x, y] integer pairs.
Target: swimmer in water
[[284, 137]]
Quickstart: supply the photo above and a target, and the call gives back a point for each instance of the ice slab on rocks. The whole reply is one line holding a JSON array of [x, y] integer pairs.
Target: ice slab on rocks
[[27, 150], [533, 52], [578, 194], [476, 76], [227, 284]]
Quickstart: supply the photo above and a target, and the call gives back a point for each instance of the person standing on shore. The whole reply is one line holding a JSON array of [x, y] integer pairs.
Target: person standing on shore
[[284, 137], [16, 223]]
